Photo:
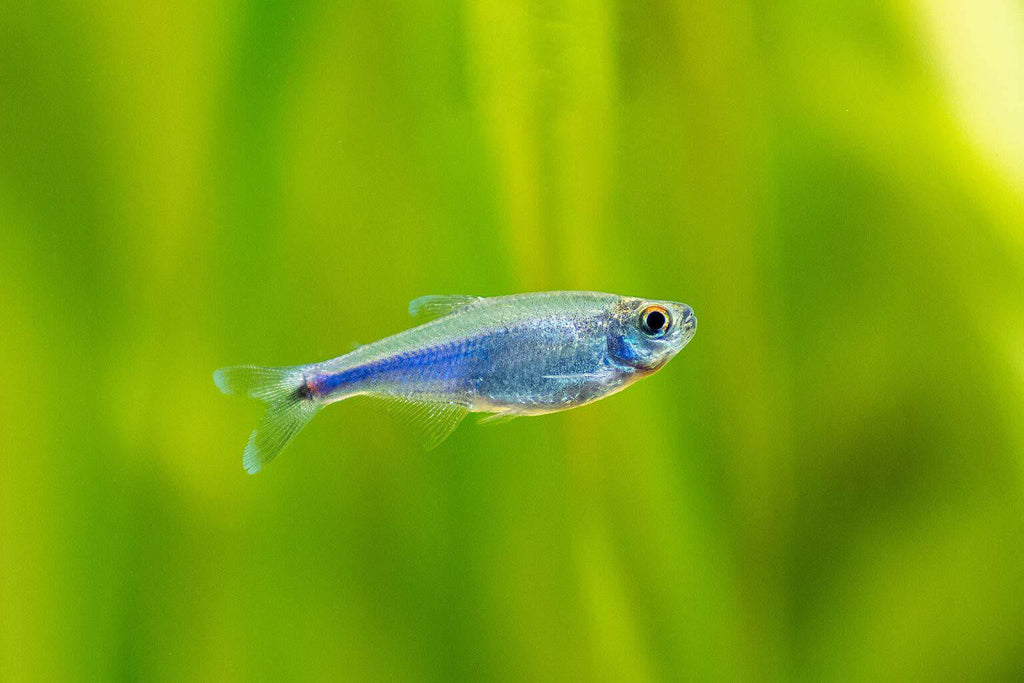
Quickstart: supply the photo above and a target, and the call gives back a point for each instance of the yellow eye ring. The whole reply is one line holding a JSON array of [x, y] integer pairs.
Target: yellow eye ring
[[655, 320]]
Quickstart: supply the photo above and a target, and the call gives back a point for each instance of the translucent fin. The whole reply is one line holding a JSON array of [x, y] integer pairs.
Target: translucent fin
[[434, 306], [499, 418], [288, 408], [582, 377], [257, 382], [435, 421]]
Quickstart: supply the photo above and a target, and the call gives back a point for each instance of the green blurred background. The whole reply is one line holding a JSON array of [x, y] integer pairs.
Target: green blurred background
[[827, 483]]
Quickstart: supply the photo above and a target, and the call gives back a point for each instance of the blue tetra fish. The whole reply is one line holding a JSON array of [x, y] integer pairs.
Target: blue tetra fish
[[525, 354]]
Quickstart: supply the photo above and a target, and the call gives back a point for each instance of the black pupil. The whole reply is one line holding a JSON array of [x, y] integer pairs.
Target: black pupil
[[655, 321]]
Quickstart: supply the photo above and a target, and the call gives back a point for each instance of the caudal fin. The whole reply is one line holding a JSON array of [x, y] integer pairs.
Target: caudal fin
[[288, 407]]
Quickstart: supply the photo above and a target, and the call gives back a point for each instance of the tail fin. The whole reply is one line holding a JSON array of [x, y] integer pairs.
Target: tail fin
[[289, 408]]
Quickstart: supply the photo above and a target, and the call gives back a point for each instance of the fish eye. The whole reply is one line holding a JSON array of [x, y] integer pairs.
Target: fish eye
[[654, 320]]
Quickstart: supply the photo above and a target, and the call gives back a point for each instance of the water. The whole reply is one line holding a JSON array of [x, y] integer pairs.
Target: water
[[828, 480]]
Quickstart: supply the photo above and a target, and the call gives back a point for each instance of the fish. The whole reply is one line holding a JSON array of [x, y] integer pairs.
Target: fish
[[506, 356]]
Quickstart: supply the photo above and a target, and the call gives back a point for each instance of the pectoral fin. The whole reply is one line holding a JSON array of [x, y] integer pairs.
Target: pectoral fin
[[603, 375], [499, 418]]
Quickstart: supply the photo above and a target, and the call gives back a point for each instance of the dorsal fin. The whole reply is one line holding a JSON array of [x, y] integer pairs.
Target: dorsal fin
[[437, 305]]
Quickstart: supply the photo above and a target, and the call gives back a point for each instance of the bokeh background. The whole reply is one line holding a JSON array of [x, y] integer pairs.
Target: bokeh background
[[828, 483]]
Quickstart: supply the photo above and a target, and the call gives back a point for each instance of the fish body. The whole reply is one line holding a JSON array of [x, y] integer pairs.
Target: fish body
[[524, 354]]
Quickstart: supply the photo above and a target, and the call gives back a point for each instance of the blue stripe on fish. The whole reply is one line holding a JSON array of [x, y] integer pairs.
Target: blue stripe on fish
[[444, 360]]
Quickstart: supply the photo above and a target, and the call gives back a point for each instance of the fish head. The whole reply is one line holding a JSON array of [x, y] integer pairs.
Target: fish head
[[644, 334]]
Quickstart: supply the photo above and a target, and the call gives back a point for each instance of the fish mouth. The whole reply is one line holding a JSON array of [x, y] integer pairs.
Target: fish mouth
[[689, 322]]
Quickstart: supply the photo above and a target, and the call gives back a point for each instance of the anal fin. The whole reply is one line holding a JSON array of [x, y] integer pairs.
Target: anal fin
[[434, 420]]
